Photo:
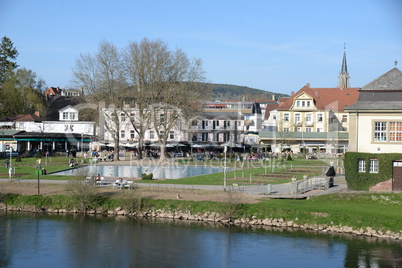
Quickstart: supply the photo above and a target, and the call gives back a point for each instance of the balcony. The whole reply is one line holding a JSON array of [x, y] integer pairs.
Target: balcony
[[309, 123]]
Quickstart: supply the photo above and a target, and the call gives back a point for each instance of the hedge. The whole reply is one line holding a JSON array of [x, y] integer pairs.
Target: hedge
[[364, 180]]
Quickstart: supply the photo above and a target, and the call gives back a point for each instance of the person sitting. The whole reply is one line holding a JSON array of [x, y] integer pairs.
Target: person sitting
[[72, 163], [98, 177], [44, 172]]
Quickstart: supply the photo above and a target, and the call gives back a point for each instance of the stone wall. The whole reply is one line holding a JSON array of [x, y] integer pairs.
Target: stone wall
[[217, 218]]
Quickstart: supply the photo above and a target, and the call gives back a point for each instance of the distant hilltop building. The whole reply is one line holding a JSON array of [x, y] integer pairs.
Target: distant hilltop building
[[55, 91]]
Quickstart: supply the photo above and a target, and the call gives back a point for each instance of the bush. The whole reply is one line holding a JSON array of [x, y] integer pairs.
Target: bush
[[18, 159], [289, 158], [38, 154], [147, 177]]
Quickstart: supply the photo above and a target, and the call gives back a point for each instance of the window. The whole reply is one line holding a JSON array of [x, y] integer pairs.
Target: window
[[319, 118], [151, 135], [161, 134], [297, 118], [132, 116], [226, 137], [171, 135], [344, 118], [308, 129], [65, 115], [298, 103], [308, 118], [303, 104], [362, 165], [286, 129], [319, 129], [373, 165], [216, 137], [380, 131], [204, 124], [21, 125], [215, 124], [72, 116], [298, 129], [123, 117], [286, 117], [132, 134], [162, 118], [122, 134], [274, 117], [308, 103], [204, 136], [395, 131]]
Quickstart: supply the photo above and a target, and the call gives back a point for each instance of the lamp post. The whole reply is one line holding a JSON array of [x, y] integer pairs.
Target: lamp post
[[224, 171], [2, 145]]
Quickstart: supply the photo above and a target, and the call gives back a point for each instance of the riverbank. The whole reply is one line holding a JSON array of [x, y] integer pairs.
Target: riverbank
[[315, 215]]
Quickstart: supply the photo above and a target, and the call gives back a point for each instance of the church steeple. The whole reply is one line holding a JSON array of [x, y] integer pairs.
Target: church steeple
[[344, 75]]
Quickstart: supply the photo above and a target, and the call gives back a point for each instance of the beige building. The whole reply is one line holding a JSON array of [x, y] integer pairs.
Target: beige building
[[376, 118], [313, 119]]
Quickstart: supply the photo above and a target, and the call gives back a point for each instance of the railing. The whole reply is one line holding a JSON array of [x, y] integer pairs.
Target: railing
[[310, 184]]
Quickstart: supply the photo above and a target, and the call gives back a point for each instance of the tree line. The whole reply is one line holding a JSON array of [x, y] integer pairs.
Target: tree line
[[20, 88]]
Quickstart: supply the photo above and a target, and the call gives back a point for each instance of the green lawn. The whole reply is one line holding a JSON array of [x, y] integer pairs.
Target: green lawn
[[27, 168]]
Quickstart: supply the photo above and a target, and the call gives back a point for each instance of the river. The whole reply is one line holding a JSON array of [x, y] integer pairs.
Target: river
[[36, 240]]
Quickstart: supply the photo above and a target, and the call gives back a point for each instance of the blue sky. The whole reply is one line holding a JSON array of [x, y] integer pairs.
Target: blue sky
[[276, 46]]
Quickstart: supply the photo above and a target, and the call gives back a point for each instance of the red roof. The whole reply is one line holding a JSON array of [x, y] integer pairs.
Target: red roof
[[336, 99]]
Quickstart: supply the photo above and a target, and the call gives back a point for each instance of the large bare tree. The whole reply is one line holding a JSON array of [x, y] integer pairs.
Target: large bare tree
[[164, 83], [102, 78]]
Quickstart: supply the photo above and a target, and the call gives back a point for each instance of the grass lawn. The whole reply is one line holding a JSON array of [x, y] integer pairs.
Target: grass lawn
[[27, 168]]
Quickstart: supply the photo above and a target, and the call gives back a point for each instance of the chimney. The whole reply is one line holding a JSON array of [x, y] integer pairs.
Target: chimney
[[273, 97], [308, 85], [292, 93], [37, 113]]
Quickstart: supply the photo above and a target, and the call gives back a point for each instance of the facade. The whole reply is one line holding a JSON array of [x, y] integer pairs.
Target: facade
[[312, 120], [34, 133], [376, 118], [226, 123]]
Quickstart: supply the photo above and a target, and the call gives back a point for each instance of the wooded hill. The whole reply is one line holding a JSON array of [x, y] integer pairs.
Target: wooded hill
[[241, 93]]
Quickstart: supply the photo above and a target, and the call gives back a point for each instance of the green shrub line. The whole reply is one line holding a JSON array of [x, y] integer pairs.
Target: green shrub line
[[379, 211], [364, 180]]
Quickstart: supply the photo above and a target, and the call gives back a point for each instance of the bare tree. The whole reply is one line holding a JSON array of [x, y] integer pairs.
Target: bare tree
[[101, 76], [163, 83]]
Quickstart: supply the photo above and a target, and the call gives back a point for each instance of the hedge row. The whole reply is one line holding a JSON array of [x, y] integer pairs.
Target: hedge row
[[364, 180]]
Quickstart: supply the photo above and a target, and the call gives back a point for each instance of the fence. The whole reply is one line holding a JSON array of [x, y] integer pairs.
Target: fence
[[306, 185]]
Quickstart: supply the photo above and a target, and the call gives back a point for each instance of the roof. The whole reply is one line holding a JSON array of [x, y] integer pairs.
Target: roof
[[336, 99], [270, 107], [391, 80], [22, 117], [223, 115], [383, 93]]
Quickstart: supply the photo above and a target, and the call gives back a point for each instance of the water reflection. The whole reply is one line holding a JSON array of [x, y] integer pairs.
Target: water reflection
[[83, 241]]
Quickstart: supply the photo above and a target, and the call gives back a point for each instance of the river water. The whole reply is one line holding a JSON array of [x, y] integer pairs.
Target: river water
[[33, 240]]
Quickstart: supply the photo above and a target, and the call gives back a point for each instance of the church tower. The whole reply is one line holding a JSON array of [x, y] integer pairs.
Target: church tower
[[344, 75]]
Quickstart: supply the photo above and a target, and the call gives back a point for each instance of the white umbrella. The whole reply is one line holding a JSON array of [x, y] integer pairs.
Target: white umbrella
[[197, 146]]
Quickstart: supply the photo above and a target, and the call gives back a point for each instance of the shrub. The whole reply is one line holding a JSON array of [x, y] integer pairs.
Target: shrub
[[147, 177], [38, 154], [289, 158], [18, 159]]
